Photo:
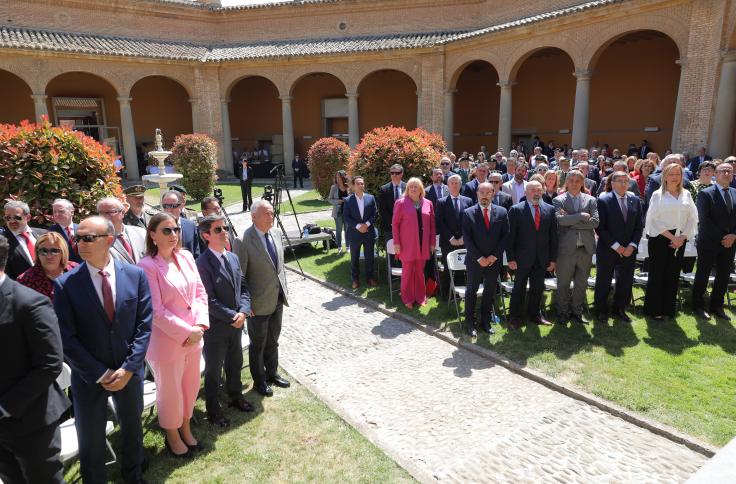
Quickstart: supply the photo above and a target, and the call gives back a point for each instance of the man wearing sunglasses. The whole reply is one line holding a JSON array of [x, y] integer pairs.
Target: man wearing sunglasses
[[387, 196], [130, 241], [172, 202], [211, 206], [21, 238], [229, 305]]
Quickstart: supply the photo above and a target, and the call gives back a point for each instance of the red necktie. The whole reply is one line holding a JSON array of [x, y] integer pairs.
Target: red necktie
[[486, 219], [537, 216], [29, 245], [126, 245], [107, 297], [70, 236]]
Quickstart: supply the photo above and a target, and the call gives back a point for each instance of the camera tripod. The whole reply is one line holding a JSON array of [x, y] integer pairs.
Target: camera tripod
[[273, 195]]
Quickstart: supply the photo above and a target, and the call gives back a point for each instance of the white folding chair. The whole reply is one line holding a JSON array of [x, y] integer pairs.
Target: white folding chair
[[392, 272], [456, 263]]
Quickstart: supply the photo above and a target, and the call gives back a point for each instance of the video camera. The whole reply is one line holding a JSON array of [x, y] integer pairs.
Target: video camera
[[217, 193], [268, 194]]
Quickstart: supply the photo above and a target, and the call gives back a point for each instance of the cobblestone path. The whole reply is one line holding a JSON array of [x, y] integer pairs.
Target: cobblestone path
[[447, 414]]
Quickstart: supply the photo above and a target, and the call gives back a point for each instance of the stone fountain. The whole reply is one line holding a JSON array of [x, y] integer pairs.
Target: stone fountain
[[161, 178]]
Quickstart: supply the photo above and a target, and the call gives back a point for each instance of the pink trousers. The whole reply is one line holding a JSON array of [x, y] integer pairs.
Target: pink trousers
[[177, 386], [413, 285]]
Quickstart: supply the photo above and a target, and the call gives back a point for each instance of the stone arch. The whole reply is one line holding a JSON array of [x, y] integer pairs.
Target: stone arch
[[231, 79], [12, 68], [386, 97], [359, 77], [310, 121], [297, 76], [457, 65], [521, 54], [180, 80], [476, 104], [17, 104]]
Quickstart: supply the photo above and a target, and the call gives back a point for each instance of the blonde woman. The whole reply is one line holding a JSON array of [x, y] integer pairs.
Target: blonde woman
[[672, 220], [52, 260]]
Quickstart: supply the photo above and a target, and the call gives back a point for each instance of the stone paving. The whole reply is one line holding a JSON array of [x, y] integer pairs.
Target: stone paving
[[448, 414]]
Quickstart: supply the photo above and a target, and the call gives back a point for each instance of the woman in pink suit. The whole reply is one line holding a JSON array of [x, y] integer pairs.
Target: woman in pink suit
[[414, 235], [180, 318]]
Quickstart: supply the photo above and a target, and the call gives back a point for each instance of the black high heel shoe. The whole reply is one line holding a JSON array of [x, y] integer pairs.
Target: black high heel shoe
[[198, 447], [185, 455]]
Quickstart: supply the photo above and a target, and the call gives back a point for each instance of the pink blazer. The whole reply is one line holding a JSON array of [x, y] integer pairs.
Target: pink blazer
[[406, 229], [174, 312]]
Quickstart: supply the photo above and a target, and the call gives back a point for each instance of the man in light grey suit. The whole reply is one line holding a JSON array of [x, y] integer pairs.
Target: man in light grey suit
[[261, 255], [577, 219], [130, 241]]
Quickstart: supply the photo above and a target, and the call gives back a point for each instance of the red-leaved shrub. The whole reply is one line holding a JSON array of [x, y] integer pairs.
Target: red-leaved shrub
[[325, 158]]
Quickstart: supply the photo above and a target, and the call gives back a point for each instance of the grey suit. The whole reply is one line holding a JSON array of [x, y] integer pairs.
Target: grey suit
[[136, 237], [268, 292], [576, 246]]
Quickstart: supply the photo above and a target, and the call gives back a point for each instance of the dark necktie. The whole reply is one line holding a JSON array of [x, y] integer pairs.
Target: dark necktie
[[457, 207], [486, 219], [727, 199], [271, 250], [396, 193], [228, 267], [126, 245], [622, 204], [107, 301], [537, 217]]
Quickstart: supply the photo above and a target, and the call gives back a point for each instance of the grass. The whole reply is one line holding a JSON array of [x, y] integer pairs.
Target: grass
[[307, 202], [290, 437], [679, 373]]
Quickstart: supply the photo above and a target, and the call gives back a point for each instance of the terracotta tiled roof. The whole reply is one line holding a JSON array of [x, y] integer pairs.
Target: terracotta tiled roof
[[22, 38]]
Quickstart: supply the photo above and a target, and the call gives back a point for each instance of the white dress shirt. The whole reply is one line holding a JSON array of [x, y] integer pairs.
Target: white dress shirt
[[22, 242], [361, 207], [666, 212], [97, 279], [518, 190], [221, 255]]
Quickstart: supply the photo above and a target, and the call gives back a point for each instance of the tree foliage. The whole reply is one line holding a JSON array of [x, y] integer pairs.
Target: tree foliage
[[195, 157], [325, 158]]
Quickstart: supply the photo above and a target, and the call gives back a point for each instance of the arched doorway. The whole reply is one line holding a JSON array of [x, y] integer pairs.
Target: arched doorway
[[255, 122], [160, 102], [544, 98], [319, 108], [17, 104], [476, 104], [634, 91], [387, 97]]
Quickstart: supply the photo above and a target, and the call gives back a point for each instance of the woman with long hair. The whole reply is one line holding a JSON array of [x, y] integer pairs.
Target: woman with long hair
[[642, 169], [337, 196], [52, 260]]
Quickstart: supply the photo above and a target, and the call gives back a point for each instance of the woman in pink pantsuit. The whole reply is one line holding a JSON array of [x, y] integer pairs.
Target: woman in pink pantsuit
[[414, 235], [180, 318]]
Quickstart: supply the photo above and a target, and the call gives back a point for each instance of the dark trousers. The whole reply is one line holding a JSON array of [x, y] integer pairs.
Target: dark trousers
[[608, 266], [90, 412], [222, 349], [488, 276], [535, 276], [245, 190], [263, 353], [33, 457], [299, 175], [722, 259], [660, 298], [367, 241]]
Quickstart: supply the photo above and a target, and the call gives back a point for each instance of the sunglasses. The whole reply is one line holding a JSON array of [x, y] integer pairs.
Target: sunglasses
[[171, 205], [445, 164], [396, 173], [88, 238], [219, 230], [49, 252], [17, 218], [170, 230], [110, 213]]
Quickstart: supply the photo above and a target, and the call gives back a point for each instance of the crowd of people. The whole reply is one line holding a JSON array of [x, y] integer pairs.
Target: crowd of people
[[547, 216], [117, 294]]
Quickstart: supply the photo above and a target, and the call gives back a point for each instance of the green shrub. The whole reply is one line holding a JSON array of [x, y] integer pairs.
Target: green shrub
[[195, 157], [39, 163], [325, 158]]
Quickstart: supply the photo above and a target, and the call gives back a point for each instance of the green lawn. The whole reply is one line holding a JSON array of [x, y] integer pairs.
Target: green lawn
[[308, 202], [291, 436], [682, 374]]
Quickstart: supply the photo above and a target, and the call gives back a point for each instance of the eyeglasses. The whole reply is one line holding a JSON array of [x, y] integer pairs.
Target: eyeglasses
[[495, 182], [169, 230], [445, 164], [17, 218], [88, 238], [171, 205], [110, 213], [219, 230], [721, 170], [49, 252], [396, 173]]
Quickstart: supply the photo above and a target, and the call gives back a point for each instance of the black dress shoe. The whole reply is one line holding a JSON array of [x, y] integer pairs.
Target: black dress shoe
[[241, 404], [719, 313], [563, 319], [701, 313], [218, 420], [185, 455], [621, 314], [264, 390], [279, 381], [578, 318], [514, 325], [193, 447]]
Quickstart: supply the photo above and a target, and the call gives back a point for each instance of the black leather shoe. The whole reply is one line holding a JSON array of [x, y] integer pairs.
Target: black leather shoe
[[264, 390], [719, 313], [621, 314], [578, 318], [563, 319], [185, 455], [701, 313], [279, 381], [241, 404], [194, 447], [218, 420], [601, 316]]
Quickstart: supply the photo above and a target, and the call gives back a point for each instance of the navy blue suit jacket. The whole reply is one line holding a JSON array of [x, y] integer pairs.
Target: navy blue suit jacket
[[449, 223], [225, 296], [352, 217], [430, 194], [470, 190], [482, 242], [189, 236], [72, 255], [92, 343], [714, 221], [525, 244], [612, 228]]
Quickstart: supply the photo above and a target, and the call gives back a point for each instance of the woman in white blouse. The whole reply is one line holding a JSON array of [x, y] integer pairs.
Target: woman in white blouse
[[672, 220]]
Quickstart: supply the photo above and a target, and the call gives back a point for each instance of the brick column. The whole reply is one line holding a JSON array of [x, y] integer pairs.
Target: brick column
[[40, 106], [128, 141], [419, 109], [353, 122], [724, 124], [195, 114], [582, 109]]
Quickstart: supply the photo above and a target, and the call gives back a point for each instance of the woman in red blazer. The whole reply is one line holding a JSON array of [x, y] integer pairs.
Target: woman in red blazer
[[415, 236], [180, 318]]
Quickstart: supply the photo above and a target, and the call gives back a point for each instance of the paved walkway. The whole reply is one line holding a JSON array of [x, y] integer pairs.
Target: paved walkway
[[447, 414]]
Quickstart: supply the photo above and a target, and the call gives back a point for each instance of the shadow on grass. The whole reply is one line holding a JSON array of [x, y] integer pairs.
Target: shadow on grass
[[719, 332]]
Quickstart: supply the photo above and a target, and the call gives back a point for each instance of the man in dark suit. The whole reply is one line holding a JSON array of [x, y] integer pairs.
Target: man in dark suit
[[31, 402], [655, 179], [21, 238], [299, 167], [437, 189], [621, 223], [246, 184], [449, 214], [531, 250], [485, 228], [173, 203], [470, 188], [644, 149], [62, 212], [105, 333], [693, 164], [446, 167], [211, 206], [715, 241], [229, 305], [387, 196], [620, 165], [499, 198], [359, 212]]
